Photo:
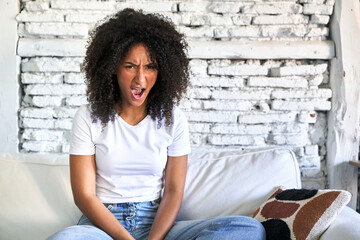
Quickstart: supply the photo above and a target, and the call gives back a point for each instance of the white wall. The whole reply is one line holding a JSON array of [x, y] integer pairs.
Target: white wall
[[9, 87]]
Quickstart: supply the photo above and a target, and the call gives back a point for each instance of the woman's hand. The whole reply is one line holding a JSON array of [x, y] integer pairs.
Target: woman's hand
[[175, 174]]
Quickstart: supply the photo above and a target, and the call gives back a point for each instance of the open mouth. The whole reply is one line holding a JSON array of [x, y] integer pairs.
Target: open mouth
[[137, 92]]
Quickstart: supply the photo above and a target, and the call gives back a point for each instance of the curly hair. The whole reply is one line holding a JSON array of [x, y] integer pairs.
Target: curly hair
[[111, 42]]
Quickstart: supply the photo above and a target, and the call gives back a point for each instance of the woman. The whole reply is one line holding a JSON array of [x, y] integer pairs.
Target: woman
[[131, 142]]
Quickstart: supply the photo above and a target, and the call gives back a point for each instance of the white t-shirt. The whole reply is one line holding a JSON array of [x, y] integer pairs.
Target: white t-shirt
[[130, 160]]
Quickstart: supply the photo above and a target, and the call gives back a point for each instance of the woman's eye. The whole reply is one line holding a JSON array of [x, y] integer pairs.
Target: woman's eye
[[151, 67], [129, 66]]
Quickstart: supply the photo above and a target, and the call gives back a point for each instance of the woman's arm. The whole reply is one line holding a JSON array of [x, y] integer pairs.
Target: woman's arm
[[175, 173], [83, 177]]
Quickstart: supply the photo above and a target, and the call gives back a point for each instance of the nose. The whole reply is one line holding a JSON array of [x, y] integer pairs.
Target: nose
[[140, 75]]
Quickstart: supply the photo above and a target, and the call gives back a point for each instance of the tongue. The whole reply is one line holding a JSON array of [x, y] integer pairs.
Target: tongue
[[137, 91]]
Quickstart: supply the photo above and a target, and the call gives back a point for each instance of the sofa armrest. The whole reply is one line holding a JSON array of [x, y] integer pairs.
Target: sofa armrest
[[345, 226]]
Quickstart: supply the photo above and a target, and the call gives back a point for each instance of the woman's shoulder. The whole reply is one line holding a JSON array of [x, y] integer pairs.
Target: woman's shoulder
[[178, 115], [83, 112]]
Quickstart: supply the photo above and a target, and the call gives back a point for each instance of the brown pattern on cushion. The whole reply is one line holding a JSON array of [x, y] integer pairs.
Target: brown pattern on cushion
[[276, 209], [310, 213], [316, 209]]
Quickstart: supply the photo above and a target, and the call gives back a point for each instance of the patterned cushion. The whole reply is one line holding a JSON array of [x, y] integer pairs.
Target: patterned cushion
[[300, 213]]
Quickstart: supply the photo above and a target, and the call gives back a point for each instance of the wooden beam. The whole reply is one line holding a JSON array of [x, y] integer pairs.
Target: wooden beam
[[262, 49], [344, 117], [355, 163]]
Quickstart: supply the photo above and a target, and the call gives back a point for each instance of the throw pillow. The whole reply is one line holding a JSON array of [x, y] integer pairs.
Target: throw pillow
[[300, 213]]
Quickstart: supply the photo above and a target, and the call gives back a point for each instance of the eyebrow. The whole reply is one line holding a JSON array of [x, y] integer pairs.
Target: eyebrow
[[150, 63]]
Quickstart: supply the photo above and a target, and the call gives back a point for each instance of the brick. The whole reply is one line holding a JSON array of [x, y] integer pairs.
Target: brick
[[41, 78], [48, 64], [233, 70], [76, 101], [42, 135], [223, 117], [238, 32], [36, 6], [307, 116], [198, 67], [63, 124], [46, 101], [55, 29], [189, 104], [248, 94], [65, 148], [37, 123], [199, 93], [198, 139], [311, 172], [313, 183], [86, 17], [288, 139], [286, 82], [255, 118], [316, 80], [317, 9], [318, 32], [241, 19], [262, 9], [49, 16], [264, 107], [217, 81], [313, 1], [43, 146], [312, 161], [311, 93], [319, 19], [280, 19], [301, 105], [236, 140], [28, 47], [208, 19], [311, 150], [228, 105], [37, 112], [83, 5], [199, 128], [63, 89], [229, 7], [285, 31], [241, 129], [301, 70], [330, 2], [203, 32], [290, 127], [193, 6], [64, 112], [76, 78], [148, 6]]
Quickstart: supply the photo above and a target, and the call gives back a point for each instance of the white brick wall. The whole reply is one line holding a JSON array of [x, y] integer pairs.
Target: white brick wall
[[233, 101]]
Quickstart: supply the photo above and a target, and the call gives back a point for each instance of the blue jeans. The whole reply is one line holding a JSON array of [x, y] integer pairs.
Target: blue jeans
[[138, 217]]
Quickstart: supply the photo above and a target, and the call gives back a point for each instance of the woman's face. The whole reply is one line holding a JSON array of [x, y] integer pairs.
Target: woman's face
[[136, 75]]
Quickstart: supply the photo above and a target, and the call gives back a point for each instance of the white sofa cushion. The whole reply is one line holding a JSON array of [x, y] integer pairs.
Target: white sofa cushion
[[35, 196], [235, 183]]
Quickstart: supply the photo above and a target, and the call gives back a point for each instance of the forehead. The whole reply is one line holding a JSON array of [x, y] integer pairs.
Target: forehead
[[138, 52]]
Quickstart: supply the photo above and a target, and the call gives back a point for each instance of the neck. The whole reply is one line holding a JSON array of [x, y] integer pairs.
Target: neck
[[131, 115]]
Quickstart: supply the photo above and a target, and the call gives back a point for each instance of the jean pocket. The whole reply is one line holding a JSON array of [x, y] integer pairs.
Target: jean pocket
[[109, 206], [155, 203]]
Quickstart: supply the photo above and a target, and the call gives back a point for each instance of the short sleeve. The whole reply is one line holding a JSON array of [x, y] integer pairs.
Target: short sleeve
[[180, 132], [81, 141]]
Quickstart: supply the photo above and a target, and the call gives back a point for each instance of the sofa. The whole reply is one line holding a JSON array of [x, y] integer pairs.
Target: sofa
[[36, 199]]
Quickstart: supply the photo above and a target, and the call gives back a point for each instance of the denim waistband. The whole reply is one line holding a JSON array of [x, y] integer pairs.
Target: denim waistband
[[129, 204]]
